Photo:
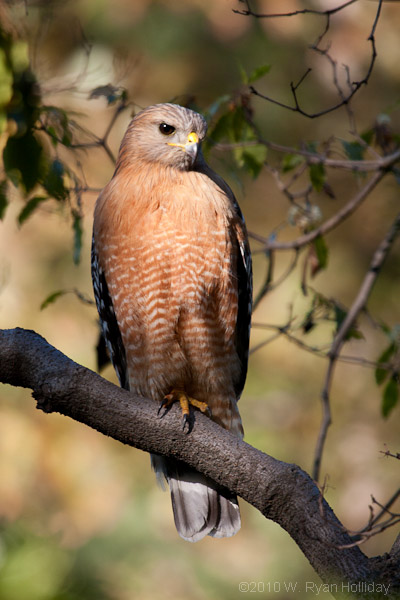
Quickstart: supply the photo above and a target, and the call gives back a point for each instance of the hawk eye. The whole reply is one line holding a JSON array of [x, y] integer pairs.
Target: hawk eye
[[166, 129]]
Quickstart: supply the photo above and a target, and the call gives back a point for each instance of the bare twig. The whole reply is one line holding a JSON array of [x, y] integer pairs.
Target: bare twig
[[353, 86], [358, 304], [328, 225], [357, 166], [303, 11], [384, 510], [319, 351], [373, 527], [96, 141], [269, 284]]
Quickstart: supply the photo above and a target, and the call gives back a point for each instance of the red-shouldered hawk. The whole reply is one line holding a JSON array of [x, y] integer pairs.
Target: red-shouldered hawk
[[171, 270]]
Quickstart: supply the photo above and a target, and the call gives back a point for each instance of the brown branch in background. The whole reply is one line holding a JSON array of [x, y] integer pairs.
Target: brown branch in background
[[303, 11], [373, 527], [312, 158], [340, 338], [384, 510], [330, 224], [270, 257], [388, 453], [284, 187], [269, 284], [354, 86], [319, 351], [95, 140]]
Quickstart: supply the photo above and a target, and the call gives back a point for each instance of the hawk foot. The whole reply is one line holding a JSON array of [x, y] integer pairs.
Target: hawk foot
[[185, 402]]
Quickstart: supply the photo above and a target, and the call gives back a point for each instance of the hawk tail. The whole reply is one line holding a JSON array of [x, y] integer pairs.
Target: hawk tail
[[200, 506]]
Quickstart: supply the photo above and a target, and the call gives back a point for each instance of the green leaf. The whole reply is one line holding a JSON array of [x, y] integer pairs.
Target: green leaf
[[110, 92], [317, 176], [52, 298], [322, 252], [57, 125], [340, 315], [390, 396], [308, 323], [53, 182], [19, 55], [6, 79], [253, 158], [222, 127], [23, 160], [368, 136], [53, 134], [3, 198], [215, 106], [243, 75], [381, 373], [354, 150], [239, 126], [291, 161], [258, 73], [30, 207], [78, 231], [312, 147], [3, 121]]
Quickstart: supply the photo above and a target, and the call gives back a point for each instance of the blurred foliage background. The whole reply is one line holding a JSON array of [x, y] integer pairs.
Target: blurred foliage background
[[81, 515]]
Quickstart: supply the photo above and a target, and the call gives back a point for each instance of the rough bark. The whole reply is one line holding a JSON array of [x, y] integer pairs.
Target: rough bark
[[281, 492]]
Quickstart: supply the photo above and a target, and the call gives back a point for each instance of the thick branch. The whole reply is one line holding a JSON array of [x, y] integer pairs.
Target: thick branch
[[282, 492]]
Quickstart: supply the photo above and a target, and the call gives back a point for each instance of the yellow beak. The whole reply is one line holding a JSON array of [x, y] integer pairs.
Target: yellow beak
[[191, 145]]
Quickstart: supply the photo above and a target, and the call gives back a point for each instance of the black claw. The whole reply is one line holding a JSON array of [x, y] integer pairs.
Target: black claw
[[163, 404], [185, 421]]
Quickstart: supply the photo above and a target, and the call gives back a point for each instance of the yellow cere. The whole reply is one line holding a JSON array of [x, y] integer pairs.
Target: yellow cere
[[193, 138]]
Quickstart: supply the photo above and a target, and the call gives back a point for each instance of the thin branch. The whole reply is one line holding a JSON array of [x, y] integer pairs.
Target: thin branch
[[331, 223], [303, 11], [384, 510], [373, 527], [97, 141], [340, 338], [357, 166], [270, 285], [319, 351], [355, 85]]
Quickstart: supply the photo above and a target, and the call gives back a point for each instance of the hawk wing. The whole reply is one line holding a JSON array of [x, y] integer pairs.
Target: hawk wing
[[108, 320], [245, 299]]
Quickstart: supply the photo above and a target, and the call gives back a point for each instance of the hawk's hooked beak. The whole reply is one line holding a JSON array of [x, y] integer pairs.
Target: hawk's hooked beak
[[191, 147]]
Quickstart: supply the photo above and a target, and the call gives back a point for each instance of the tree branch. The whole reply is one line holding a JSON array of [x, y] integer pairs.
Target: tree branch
[[354, 86], [281, 492], [359, 303], [303, 11], [347, 210]]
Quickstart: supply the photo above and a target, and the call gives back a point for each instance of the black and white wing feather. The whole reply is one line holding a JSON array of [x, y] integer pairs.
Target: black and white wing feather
[[108, 321]]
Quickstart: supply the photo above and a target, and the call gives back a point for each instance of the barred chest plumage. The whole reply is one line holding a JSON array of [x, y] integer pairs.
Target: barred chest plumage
[[175, 298]]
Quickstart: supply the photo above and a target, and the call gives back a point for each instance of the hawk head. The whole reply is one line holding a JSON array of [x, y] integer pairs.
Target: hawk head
[[165, 133]]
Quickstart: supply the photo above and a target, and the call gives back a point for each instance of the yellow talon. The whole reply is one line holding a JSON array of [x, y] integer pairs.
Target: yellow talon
[[202, 406], [185, 402]]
